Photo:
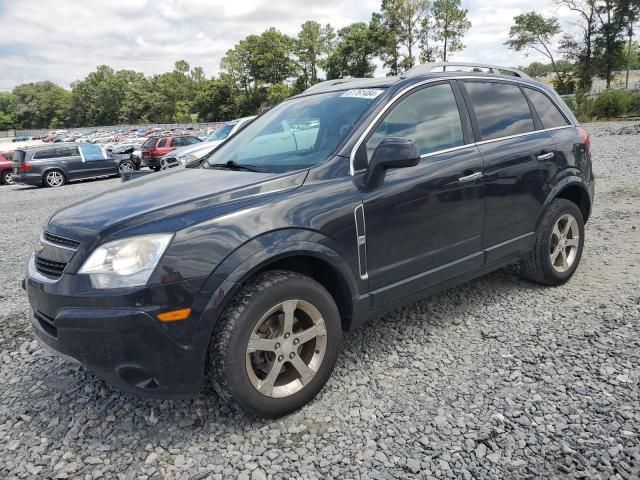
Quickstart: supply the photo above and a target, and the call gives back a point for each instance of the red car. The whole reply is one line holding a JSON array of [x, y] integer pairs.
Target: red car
[[156, 147], [6, 168]]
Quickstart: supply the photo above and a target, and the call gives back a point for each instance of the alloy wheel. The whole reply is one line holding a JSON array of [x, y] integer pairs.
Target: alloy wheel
[[565, 240], [286, 348], [125, 167], [8, 178], [55, 179]]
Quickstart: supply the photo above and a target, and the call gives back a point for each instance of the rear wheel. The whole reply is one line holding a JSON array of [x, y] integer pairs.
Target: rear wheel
[[54, 178], [7, 178], [558, 246], [275, 346]]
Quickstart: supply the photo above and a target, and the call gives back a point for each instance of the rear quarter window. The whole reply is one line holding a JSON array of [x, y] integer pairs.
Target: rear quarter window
[[150, 143], [549, 114], [161, 143], [501, 109], [44, 154]]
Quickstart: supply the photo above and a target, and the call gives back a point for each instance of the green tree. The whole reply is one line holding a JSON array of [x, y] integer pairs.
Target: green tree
[[354, 52], [449, 26], [311, 47], [216, 101], [406, 20], [532, 31], [7, 110], [41, 105]]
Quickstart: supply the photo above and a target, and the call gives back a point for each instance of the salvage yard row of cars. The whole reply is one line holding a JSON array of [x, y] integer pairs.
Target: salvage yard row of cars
[[62, 159]]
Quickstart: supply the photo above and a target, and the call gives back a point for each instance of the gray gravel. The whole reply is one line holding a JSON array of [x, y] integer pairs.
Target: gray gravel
[[498, 378]]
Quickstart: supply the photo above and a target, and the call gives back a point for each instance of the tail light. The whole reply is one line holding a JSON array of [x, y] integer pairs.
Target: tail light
[[25, 167], [585, 138]]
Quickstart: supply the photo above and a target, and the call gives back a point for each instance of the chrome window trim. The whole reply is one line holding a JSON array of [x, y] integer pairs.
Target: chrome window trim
[[408, 89]]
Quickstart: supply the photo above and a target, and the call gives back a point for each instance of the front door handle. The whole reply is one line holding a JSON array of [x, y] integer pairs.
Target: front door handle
[[546, 156], [470, 178]]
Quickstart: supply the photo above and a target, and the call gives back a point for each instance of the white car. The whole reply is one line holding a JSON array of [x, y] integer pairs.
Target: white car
[[191, 153]]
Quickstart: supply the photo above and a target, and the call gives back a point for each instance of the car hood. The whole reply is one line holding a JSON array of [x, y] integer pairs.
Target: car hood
[[188, 193], [197, 148]]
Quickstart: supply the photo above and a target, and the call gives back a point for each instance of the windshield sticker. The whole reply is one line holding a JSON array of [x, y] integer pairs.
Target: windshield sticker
[[362, 93]]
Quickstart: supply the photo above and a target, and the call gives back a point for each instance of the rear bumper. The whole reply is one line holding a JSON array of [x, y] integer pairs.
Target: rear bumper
[[34, 179], [150, 162]]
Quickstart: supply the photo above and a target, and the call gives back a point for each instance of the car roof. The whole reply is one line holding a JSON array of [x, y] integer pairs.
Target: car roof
[[52, 145]]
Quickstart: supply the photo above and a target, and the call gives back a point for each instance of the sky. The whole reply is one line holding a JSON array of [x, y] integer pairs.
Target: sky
[[64, 40]]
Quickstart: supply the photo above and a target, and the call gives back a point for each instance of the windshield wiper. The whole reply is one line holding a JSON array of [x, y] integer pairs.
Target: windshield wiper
[[232, 165]]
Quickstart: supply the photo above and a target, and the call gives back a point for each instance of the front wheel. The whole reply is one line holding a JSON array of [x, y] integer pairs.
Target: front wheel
[[558, 245], [275, 346]]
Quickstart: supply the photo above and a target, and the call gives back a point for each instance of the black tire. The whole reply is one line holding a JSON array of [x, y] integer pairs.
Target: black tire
[[6, 178], [538, 266], [227, 360], [47, 179]]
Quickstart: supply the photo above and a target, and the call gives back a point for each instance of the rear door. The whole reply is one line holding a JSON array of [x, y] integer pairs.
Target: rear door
[[96, 161], [518, 163]]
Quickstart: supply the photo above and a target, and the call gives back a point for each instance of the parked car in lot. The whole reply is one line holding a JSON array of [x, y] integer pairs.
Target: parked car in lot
[[6, 168], [192, 153], [242, 271], [20, 138], [154, 148], [55, 165]]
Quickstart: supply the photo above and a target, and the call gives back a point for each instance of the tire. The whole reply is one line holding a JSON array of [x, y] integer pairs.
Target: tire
[[550, 243], [54, 178], [126, 166], [233, 372], [7, 178]]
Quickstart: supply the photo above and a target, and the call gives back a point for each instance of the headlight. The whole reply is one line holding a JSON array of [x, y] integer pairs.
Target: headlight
[[188, 159], [125, 263]]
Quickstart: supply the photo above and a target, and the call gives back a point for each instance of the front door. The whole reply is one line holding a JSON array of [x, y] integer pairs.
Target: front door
[[96, 161], [424, 224]]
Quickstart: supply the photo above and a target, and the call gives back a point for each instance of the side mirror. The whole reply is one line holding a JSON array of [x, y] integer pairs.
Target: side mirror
[[392, 152]]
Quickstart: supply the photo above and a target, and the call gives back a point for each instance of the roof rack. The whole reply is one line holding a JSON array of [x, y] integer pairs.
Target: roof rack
[[455, 67], [328, 83]]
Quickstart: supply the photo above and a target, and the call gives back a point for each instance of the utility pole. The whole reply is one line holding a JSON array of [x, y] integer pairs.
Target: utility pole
[[626, 82]]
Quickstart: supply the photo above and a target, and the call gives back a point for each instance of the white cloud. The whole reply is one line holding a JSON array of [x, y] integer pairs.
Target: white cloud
[[65, 40]]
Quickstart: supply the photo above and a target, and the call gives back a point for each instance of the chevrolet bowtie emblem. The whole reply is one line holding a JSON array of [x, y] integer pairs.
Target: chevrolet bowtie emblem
[[39, 248]]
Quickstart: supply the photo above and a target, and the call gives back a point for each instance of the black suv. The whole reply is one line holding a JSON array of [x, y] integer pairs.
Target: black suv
[[242, 272], [55, 165]]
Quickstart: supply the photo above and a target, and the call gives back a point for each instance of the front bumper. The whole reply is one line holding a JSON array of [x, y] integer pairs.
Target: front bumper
[[117, 336]]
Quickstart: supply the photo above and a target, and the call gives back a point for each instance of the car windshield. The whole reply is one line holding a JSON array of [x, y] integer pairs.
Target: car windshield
[[298, 133], [222, 133]]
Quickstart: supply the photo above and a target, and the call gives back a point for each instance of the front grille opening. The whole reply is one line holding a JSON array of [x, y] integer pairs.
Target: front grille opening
[[47, 324], [50, 268], [58, 240]]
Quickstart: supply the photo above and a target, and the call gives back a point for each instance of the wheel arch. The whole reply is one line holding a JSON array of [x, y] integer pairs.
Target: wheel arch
[[574, 190], [308, 258]]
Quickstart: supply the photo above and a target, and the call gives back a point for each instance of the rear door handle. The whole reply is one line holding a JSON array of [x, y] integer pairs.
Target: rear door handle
[[546, 156], [470, 178]]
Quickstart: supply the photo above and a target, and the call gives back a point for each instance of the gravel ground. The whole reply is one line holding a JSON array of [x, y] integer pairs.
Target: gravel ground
[[498, 378]]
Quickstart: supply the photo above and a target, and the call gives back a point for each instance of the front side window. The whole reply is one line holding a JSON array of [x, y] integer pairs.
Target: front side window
[[501, 109], [296, 134], [429, 116], [549, 114]]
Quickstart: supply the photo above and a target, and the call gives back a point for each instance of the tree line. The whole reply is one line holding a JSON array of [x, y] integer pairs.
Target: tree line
[[259, 71], [262, 70], [601, 43]]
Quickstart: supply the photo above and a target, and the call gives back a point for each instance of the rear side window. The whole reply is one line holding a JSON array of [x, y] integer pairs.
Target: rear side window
[[501, 109], [44, 154], [549, 114], [429, 116]]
